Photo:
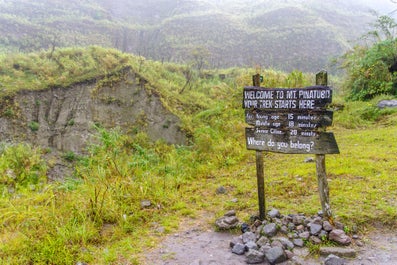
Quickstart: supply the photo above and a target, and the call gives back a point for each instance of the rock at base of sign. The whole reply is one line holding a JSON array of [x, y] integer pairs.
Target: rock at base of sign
[[275, 255], [340, 237], [279, 247], [254, 257], [387, 104], [228, 221]]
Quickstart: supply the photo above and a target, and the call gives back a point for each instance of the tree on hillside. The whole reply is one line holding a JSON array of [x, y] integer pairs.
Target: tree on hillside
[[200, 57], [384, 29], [372, 70]]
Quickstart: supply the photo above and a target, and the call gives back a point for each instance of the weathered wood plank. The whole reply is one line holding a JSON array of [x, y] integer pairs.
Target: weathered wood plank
[[304, 120], [314, 97], [322, 143]]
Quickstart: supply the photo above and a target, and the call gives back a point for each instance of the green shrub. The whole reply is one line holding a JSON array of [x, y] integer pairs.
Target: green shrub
[[21, 166], [34, 126]]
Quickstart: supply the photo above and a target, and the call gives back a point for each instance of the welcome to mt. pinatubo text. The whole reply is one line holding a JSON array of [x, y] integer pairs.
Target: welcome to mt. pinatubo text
[[286, 98]]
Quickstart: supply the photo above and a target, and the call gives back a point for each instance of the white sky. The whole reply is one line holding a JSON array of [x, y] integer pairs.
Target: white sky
[[383, 6]]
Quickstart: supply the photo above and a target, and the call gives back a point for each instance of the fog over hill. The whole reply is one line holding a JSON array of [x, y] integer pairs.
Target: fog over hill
[[287, 35]]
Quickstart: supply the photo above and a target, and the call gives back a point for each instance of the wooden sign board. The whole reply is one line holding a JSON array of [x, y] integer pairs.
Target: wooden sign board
[[289, 120], [320, 143], [308, 98], [307, 120]]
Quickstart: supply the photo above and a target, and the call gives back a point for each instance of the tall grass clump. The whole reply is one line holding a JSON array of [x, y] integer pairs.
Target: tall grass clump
[[21, 167]]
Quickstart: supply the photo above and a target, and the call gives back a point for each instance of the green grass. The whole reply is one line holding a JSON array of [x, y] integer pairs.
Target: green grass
[[95, 215], [63, 67]]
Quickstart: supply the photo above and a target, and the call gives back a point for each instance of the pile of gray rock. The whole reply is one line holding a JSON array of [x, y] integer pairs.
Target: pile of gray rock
[[274, 240]]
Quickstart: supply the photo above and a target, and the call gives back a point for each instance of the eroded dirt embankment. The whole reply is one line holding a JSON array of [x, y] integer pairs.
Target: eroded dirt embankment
[[63, 118]]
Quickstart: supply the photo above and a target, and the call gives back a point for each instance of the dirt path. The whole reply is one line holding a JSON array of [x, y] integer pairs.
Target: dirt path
[[199, 244]]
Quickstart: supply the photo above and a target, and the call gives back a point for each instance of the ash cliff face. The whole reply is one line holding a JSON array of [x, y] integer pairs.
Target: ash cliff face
[[64, 118]]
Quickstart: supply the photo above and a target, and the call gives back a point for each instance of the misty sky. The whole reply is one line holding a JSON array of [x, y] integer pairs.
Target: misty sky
[[382, 6]]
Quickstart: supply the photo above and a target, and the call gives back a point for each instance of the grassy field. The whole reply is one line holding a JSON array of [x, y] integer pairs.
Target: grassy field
[[95, 215]]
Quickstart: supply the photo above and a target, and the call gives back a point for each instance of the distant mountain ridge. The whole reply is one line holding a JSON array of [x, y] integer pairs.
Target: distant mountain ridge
[[286, 35]]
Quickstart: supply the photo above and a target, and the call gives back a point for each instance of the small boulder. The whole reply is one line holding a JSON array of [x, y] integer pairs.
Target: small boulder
[[248, 236], [387, 104], [298, 242], [262, 241], [236, 240], [239, 249], [230, 213], [315, 240], [273, 213], [251, 245], [270, 230], [304, 235], [286, 243], [327, 226], [315, 229], [334, 260], [340, 237], [254, 257], [275, 255], [227, 222], [245, 228], [298, 219]]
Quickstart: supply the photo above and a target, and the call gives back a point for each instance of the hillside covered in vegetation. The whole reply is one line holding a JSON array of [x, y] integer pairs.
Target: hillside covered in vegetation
[[285, 35]]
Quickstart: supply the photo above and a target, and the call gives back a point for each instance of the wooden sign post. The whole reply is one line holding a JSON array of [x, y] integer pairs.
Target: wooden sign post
[[259, 168], [290, 121], [322, 79]]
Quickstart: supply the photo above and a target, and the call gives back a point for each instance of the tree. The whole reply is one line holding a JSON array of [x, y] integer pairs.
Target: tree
[[370, 69], [384, 29], [200, 56]]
